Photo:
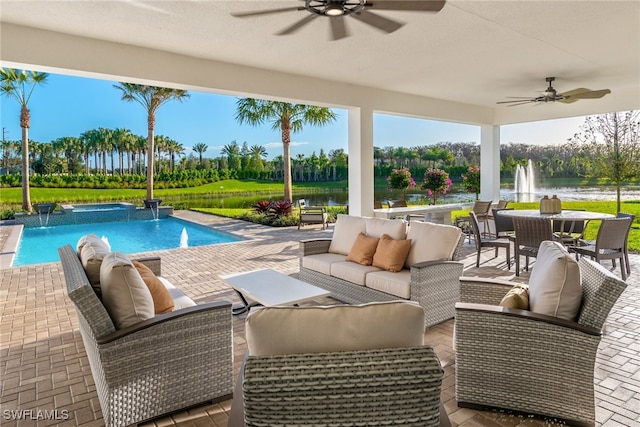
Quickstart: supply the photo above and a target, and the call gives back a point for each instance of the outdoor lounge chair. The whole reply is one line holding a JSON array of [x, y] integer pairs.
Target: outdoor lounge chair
[[312, 215]]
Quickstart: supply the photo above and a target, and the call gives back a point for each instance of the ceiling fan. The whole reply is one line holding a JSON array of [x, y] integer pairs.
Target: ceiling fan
[[550, 95], [337, 10]]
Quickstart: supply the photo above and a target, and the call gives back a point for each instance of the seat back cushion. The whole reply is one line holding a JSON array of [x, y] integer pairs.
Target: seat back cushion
[[92, 250], [287, 330], [554, 285], [124, 293], [345, 231], [431, 242], [394, 228]]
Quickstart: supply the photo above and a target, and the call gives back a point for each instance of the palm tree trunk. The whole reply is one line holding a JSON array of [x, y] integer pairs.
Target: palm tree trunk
[[26, 195], [286, 140], [150, 154]]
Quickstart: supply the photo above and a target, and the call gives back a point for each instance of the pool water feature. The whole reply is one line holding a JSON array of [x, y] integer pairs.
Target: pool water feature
[[40, 244]]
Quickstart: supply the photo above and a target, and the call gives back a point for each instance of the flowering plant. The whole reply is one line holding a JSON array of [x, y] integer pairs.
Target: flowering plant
[[436, 182], [400, 179], [471, 180]]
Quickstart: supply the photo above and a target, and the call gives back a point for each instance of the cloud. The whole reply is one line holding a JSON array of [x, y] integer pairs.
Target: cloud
[[279, 144]]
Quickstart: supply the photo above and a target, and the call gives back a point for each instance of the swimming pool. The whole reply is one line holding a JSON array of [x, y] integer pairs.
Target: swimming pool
[[39, 245]]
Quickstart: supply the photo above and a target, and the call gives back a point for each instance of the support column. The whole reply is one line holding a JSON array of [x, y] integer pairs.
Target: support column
[[360, 161], [490, 162]]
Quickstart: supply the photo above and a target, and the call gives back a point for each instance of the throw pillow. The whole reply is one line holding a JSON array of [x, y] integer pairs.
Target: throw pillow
[[363, 249], [162, 301], [517, 297], [391, 254], [431, 242], [554, 286], [92, 251], [124, 293]]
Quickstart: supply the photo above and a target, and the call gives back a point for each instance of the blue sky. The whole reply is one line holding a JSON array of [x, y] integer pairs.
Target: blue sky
[[69, 106]]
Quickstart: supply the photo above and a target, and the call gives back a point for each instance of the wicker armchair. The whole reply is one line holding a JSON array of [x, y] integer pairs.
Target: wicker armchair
[[161, 365], [529, 362]]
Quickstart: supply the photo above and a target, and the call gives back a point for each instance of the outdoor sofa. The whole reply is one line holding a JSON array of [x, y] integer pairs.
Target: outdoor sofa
[[146, 368], [428, 273]]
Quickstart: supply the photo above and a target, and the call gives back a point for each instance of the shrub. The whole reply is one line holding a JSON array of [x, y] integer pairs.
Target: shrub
[[436, 182], [262, 206]]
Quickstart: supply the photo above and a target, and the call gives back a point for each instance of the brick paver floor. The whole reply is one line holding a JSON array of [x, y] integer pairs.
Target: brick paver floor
[[43, 365]]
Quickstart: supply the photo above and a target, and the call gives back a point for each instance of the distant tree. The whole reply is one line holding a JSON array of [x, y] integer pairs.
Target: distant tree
[[285, 117], [614, 141], [19, 85], [200, 148], [151, 98]]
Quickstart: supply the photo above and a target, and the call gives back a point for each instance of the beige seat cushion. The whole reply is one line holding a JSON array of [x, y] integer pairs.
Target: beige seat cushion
[[345, 231], [180, 300], [394, 228], [398, 284], [517, 297], [554, 285], [124, 293], [351, 271], [431, 242], [391, 254], [162, 300], [286, 330], [363, 249], [92, 251], [322, 262]]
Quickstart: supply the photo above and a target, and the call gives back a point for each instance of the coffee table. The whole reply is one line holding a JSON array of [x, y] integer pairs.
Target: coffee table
[[268, 287]]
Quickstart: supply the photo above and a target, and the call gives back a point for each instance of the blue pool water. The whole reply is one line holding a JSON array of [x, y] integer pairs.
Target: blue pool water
[[40, 244]]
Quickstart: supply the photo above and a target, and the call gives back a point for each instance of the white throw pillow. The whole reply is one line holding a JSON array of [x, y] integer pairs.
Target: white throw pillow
[[124, 294], [554, 286], [394, 228], [345, 231], [431, 242], [286, 330]]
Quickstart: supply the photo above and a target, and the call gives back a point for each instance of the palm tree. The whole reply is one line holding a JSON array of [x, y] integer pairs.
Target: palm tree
[[285, 117], [200, 148], [19, 85], [151, 98]]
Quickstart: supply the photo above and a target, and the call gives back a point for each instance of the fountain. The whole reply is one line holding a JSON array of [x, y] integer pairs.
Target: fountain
[[184, 239], [524, 179], [44, 209]]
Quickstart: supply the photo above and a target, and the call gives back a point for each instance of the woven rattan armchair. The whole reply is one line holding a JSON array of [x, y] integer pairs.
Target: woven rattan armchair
[[530, 362], [530, 232], [158, 366]]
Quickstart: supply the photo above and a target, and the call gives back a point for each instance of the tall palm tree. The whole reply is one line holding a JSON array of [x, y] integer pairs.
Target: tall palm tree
[[151, 98], [19, 85], [200, 148], [288, 118]]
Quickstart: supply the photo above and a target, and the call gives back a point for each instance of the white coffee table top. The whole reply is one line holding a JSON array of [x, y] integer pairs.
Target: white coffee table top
[[269, 287]]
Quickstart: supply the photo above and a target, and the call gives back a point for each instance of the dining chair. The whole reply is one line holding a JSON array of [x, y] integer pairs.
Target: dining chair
[[530, 232], [626, 243], [609, 244], [481, 209], [503, 224], [397, 204], [377, 205], [489, 242], [570, 232]]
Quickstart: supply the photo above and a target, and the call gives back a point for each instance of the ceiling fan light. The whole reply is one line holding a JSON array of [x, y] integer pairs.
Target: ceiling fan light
[[334, 9]]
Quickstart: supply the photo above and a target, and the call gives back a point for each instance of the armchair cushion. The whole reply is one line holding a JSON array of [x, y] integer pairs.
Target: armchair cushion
[[391, 254], [124, 293], [92, 251], [554, 285], [363, 249], [517, 297], [345, 231], [334, 328], [431, 242]]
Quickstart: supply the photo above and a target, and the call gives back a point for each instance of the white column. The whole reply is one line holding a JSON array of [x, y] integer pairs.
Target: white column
[[490, 162], [360, 161]]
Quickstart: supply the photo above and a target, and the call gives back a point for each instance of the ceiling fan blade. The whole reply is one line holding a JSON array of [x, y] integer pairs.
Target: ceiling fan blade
[[266, 12], [521, 103], [519, 100], [338, 28], [592, 94], [380, 22], [296, 26], [412, 5]]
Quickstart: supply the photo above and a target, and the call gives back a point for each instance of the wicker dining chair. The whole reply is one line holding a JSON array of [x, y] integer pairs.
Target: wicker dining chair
[[610, 243], [626, 244], [530, 232], [397, 204], [503, 224], [570, 233], [488, 242]]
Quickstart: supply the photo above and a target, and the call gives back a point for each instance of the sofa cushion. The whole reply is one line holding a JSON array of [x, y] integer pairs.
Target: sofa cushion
[[398, 284], [124, 293], [322, 262], [363, 249], [391, 254], [345, 231], [162, 301], [180, 300], [351, 271], [431, 242], [394, 228], [554, 284], [286, 330], [517, 297], [92, 252]]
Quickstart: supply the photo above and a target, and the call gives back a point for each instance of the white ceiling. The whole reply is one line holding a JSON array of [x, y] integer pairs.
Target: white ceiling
[[471, 52]]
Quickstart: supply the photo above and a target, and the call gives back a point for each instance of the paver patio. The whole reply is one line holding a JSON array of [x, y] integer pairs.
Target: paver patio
[[43, 365]]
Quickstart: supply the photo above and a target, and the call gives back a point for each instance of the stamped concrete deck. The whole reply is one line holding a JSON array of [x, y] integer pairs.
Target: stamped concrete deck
[[43, 366]]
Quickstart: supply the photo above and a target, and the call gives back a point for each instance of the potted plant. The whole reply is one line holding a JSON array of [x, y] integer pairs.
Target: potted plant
[[436, 182]]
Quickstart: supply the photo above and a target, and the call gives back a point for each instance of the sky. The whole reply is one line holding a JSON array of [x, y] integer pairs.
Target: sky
[[69, 105]]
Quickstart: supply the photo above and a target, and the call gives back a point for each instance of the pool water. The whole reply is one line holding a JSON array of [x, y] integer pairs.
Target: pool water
[[40, 244]]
